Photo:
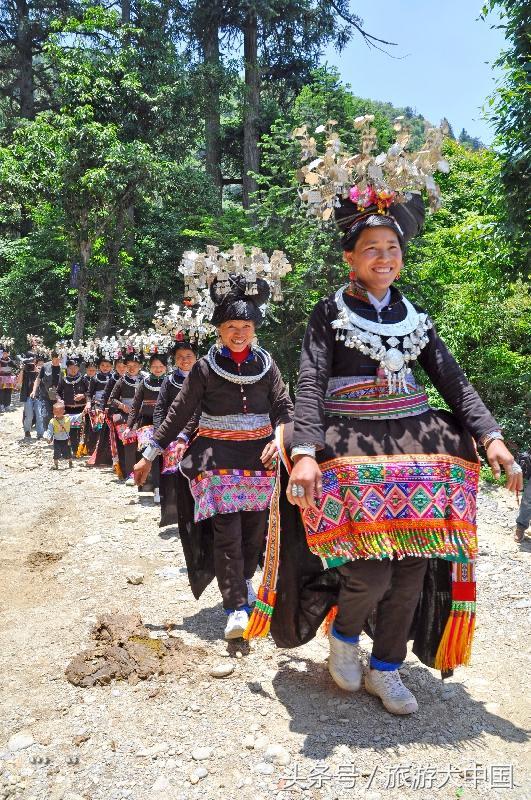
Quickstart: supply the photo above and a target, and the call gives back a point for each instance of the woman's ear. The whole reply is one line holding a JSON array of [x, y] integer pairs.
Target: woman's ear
[[348, 257]]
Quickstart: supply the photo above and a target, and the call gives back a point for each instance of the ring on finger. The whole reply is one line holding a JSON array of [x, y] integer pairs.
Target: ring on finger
[[515, 469]]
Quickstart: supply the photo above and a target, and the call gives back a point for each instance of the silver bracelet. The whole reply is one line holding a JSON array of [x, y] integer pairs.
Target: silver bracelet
[[487, 438], [303, 450], [151, 452]]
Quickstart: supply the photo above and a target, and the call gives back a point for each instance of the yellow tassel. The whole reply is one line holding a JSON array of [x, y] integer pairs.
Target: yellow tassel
[[455, 647], [118, 471], [81, 450], [329, 620]]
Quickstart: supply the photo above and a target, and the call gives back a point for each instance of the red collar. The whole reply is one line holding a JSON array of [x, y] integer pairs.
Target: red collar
[[240, 357]]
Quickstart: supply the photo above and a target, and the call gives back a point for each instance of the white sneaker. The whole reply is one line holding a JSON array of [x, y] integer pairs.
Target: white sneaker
[[236, 624], [156, 496], [130, 481], [389, 688], [344, 663], [251, 594]]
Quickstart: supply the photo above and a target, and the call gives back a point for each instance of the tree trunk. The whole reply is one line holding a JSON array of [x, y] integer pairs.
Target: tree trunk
[[83, 291], [106, 313], [24, 48], [251, 156], [212, 65], [126, 12]]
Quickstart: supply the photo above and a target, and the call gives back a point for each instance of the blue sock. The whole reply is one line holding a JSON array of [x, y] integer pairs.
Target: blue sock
[[384, 666], [343, 638]]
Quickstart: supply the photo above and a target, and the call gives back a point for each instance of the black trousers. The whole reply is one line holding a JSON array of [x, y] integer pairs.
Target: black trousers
[[238, 543], [61, 449], [75, 433], [5, 397], [392, 588]]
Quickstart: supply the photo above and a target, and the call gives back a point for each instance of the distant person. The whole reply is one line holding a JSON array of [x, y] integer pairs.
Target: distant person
[[72, 390], [58, 432], [524, 514], [45, 386], [8, 375], [31, 367]]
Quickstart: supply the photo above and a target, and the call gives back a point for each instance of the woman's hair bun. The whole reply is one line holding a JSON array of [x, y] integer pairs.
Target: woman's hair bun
[[240, 290]]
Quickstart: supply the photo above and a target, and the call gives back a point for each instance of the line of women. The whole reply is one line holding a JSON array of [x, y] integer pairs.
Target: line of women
[[366, 492]]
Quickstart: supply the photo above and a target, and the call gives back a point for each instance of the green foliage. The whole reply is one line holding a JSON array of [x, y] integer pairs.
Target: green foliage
[[510, 110], [116, 172]]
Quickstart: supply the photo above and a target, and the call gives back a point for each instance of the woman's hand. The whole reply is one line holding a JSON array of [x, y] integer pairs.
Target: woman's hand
[[141, 471], [180, 449], [499, 456], [269, 454], [305, 474], [79, 397]]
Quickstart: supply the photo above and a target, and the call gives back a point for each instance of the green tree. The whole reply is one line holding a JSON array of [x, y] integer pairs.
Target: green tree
[[510, 110]]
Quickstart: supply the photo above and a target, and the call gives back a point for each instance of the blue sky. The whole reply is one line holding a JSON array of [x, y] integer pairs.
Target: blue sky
[[447, 66]]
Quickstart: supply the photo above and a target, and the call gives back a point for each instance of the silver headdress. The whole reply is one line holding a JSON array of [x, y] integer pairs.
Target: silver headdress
[[201, 269], [332, 174]]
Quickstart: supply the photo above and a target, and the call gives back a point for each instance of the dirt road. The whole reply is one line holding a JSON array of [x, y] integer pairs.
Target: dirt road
[[277, 727]]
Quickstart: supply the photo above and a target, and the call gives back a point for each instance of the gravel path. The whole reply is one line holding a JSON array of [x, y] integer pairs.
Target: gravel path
[[276, 727]]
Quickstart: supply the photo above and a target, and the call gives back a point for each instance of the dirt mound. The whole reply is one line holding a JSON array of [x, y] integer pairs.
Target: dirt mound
[[125, 651], [41, 558]]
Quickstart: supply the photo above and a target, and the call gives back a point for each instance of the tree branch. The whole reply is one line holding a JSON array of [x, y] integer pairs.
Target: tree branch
[[369, 38]]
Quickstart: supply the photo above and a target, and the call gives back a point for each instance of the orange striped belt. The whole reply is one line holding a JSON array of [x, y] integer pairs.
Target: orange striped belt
[[236, 436]]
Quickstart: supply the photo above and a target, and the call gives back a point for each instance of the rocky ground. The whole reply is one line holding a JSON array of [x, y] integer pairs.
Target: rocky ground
[[276, 726]]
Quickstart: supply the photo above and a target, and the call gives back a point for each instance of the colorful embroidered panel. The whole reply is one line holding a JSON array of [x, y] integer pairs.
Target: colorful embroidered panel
[[413, 505], [170, 461], [144, 435], [224, 491]]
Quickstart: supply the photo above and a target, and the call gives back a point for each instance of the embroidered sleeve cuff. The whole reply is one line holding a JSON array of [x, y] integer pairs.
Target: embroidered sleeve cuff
[[303, 450]]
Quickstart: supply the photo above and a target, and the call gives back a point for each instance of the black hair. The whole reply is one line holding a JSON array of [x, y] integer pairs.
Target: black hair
[[238, 303], [405, 219]]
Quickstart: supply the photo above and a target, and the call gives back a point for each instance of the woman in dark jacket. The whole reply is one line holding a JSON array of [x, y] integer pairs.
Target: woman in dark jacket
[[123, 442], [72, 389], [385, 483], [140, 417], [241, 397], [184, 358]]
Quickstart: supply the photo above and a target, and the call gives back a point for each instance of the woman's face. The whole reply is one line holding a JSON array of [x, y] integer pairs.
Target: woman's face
[[236, 334], [184, 359], [157, 368], [120, 367], [133, 368], [72, 370], [376, 259], [105, 367], [91, 370]]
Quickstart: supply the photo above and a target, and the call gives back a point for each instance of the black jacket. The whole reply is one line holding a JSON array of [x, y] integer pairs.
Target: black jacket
[[322, 357]]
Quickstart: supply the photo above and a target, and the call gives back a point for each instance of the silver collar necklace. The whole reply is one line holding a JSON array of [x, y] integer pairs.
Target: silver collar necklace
[[259, 352], [367, 337]]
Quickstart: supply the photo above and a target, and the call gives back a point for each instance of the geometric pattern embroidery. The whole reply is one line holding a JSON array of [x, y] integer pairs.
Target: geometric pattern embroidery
[[395, 506], [224, 491]]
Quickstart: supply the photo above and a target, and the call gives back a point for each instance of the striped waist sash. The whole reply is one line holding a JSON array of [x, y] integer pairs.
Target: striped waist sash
[[367, 398], [235, 427]]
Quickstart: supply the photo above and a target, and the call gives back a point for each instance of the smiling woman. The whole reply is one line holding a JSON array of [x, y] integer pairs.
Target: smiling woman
[[376, 260], [386, 485], [234, 397]]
